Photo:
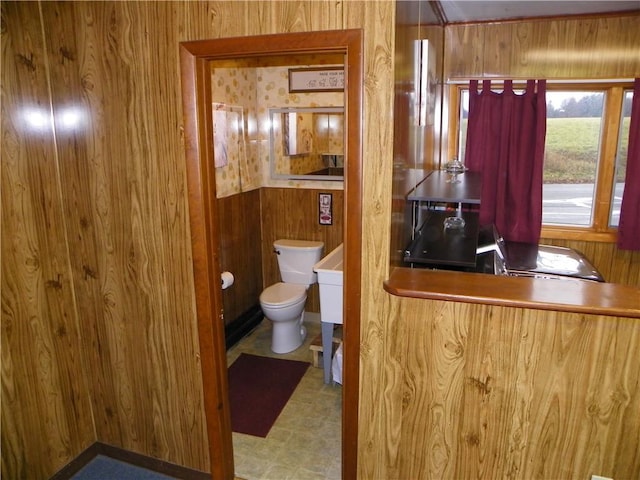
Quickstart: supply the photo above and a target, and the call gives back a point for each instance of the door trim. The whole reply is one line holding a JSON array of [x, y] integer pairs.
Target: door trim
[[196, 101]]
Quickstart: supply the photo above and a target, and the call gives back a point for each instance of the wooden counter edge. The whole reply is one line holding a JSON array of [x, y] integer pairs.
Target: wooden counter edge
[[576, 296]]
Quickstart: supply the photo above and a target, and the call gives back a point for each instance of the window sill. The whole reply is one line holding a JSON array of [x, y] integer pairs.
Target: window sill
[[575, 296], [578, 233]]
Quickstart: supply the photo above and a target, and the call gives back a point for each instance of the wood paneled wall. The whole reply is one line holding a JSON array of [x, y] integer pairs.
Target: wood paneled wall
[[99, 338], [46, 409], [118, 221], [454, 390], [241, 251], [578, 48], [96, 270], [292, 213], [476, 391]]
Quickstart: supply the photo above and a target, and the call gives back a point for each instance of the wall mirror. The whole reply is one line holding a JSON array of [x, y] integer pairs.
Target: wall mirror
[[307, 143]]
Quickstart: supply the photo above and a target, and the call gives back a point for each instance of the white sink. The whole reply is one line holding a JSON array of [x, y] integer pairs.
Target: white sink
[[329, 270]]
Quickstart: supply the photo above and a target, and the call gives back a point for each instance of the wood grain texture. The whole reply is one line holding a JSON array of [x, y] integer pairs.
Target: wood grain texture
[[117, 209], [405, 159], [196, 96], [113, 222], [378, 20], [494, 392], [241, 251], [132, 251], [46, 412], [587, 48], [556, 295], [582, 48], [469, 390]]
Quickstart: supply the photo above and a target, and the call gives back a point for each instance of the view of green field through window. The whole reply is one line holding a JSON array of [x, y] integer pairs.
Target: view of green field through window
[[572, 145], [572, 153]]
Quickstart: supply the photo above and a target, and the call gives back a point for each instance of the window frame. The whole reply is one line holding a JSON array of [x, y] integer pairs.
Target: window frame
[[614, 91]]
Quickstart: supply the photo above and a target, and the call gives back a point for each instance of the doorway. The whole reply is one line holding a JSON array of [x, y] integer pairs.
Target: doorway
[[195, 58]]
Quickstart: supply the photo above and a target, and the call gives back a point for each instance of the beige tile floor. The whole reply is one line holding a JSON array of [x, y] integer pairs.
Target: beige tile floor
[[305, 441]]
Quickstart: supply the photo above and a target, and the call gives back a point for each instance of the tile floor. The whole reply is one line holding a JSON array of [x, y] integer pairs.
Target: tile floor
[[305, 441]]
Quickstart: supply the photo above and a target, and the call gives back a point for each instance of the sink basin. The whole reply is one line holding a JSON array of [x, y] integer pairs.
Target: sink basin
[[329, 270]]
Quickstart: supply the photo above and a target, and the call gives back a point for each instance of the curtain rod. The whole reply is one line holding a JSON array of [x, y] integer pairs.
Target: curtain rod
[[549, 80]]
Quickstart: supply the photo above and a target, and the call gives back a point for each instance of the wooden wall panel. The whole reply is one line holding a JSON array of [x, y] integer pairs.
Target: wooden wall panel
[[292, 213], [241, 251], [376, 338], [140, 216], [96, 247], [592, 47], [131, 235], [453, 390], [494, 392], [46, 409], [136, 318]]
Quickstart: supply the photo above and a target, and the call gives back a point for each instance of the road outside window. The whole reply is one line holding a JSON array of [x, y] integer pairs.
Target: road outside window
[[572, 146]]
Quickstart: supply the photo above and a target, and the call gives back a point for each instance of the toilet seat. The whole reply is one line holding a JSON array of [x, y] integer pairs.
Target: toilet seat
[[281, 295]]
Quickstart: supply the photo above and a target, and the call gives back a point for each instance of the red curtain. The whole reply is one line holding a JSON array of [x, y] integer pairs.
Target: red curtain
[[629, 225], [505, 141]]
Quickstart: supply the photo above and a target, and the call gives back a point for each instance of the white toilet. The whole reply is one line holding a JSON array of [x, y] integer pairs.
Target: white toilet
[[283, 303]]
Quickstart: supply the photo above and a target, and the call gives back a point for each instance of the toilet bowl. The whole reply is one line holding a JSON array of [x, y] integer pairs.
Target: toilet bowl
[[283, 303]]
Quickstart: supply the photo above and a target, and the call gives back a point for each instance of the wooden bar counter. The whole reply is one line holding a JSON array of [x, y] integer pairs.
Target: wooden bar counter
[[576, 296]]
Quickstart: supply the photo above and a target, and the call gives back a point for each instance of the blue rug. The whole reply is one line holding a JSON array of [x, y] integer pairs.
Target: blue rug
[[105, 468]]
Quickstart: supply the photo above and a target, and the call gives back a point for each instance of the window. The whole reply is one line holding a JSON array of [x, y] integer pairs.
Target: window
[[585, 156], [571, 153], [621, 159]]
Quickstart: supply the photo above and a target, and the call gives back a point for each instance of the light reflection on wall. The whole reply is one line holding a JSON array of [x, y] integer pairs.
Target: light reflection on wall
[[70, 118], [67, 119], [36, 119]]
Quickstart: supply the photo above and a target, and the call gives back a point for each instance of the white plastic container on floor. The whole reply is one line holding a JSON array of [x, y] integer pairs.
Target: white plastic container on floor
[[336, 365]]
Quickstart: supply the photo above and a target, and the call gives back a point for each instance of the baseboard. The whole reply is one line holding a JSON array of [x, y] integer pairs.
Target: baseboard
[[75, 465], [241, 326], [132, 458]]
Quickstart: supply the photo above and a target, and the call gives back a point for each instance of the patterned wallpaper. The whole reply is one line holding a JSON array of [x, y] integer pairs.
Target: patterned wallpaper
[[235, 149], [242, 98]]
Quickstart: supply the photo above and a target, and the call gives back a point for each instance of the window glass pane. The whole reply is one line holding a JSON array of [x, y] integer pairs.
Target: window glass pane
[[463, 120], [574, 124], [621, 159]]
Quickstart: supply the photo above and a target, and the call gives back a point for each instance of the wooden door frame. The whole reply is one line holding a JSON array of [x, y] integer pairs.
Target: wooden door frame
[[198, 138]]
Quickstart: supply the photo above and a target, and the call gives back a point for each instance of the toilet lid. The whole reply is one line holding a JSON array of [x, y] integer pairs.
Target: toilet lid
[[282, 294]]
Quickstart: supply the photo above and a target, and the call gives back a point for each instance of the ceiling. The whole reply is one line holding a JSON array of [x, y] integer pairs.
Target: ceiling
[[464, 11]]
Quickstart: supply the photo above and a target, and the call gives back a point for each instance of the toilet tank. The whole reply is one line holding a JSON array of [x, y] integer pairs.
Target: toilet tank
[[296, 259]]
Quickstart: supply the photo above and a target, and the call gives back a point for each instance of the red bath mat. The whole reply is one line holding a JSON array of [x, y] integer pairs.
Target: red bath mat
[[259, 388]]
